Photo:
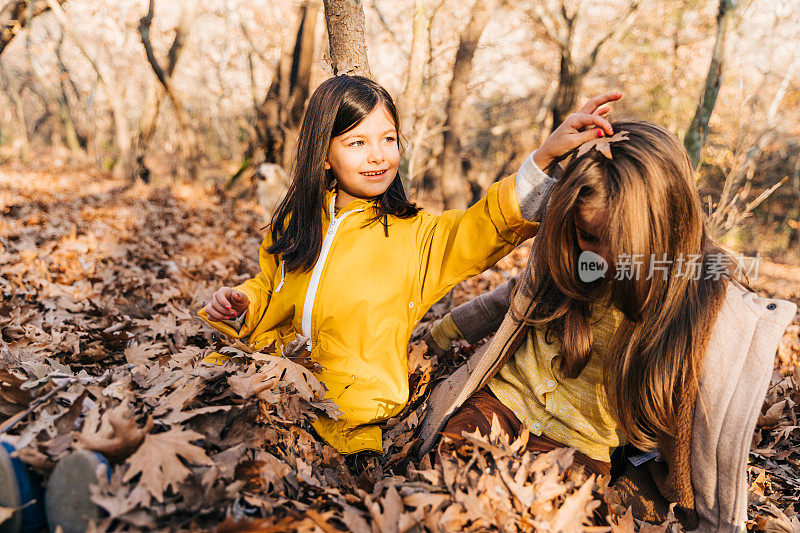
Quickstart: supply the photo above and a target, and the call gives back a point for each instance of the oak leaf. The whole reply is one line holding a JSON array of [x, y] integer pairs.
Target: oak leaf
[[603, 144], [158, 459], [117, 434]]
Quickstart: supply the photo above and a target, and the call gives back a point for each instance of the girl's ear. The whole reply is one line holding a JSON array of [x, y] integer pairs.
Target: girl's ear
[[327, 165]]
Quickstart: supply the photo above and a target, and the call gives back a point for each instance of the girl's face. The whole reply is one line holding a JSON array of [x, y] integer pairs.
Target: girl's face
[[590, 224], [365, 159]]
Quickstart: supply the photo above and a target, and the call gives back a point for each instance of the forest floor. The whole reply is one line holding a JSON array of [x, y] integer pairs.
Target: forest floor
[[100, 348]]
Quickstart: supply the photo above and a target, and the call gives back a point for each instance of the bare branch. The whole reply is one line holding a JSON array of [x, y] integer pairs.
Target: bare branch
[[555, 25], [122, 132], [166, 80], [386, 26], [16, 15], [620, 26]]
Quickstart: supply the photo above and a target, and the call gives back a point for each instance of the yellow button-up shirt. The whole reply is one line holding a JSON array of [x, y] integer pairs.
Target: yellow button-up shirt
[[574, 412]]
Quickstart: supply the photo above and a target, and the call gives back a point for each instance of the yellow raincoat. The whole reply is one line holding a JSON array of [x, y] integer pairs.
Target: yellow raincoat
[[366, 293]]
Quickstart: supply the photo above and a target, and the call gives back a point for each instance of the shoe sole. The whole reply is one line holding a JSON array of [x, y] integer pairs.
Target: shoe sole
[[67, 498], [9, 492]]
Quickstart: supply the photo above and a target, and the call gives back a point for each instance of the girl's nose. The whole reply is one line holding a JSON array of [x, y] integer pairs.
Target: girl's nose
[[375, 154]]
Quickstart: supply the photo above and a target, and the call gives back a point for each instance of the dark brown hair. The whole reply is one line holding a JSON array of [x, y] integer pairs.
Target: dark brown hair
[[653, 208], [338, 105]]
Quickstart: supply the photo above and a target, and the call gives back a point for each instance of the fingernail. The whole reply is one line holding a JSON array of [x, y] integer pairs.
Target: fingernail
[[599, 133], [233, 313]]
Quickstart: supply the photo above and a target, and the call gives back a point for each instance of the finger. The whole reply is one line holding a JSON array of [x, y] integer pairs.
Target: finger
[[577, 139], [220, 310], [604, 110], [213, 313], [592, 105], [582, 120], [221, 300], [240, 297]]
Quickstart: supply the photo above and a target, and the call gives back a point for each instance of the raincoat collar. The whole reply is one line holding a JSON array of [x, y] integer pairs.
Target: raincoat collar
[[359, 204]]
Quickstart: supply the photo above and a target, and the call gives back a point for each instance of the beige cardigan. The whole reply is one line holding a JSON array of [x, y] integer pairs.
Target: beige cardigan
[[736, 371]]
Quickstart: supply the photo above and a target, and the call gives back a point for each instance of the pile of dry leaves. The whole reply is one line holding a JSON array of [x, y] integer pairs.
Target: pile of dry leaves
[[101, 350]]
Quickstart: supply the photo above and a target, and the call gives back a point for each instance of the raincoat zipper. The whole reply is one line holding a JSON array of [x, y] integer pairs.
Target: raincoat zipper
[[316, 274]]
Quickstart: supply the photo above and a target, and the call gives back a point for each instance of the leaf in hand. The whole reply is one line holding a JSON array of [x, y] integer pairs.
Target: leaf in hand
[[158, 460], [603, 144]]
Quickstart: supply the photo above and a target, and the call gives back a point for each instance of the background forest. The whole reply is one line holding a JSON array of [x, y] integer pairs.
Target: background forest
[[144, 144], [199, 90]]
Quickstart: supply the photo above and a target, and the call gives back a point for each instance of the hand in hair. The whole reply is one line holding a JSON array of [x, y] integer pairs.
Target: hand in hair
[[226, 304], [573, 131]]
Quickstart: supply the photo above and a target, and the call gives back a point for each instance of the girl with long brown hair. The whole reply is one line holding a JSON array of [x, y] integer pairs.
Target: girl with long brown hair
[[596, 360]]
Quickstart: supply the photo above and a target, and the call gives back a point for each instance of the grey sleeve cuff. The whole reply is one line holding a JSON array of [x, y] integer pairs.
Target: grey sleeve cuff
[[481, 316], [236, 323], [533, 189]]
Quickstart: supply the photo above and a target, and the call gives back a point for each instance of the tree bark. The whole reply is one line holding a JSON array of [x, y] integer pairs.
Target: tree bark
[[346, 30], [452, 180], [14, 18], [697, 133], [152, 105]]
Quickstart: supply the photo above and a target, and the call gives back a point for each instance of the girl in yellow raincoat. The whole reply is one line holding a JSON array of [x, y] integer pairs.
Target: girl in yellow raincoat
[[352, 265]]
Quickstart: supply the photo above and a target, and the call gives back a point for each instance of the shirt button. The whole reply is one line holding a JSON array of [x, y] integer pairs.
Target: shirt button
[[536, 426], [551, 383], [411, 305]]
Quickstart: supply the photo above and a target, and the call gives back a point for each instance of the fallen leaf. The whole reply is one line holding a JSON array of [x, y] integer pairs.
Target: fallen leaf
[[158, 460]]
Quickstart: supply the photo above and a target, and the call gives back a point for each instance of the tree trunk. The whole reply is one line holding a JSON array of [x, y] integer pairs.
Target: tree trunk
[[79, 141], [452, 179], [189, 137], [416, 66], [698, 129], [64, 112], [348, 49], [122, 132], [409, 100], [278, 117], [14, 18], [569, 87], [22, 143], [560, 27]]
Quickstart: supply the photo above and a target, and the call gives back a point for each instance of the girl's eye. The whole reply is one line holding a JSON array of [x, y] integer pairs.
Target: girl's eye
[[356, 143], [390, 139]]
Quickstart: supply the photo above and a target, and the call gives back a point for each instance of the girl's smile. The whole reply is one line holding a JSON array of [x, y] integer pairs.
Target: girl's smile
[[365, 158]]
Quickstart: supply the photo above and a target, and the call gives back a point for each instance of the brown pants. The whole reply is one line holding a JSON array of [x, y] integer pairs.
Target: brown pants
[[477, 411]]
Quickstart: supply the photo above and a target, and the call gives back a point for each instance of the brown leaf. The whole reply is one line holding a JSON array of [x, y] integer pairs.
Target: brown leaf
[[623, 524], [158, 460], [577, 509], [772, 416], [602, 144], [13, 398], [118, 434]]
